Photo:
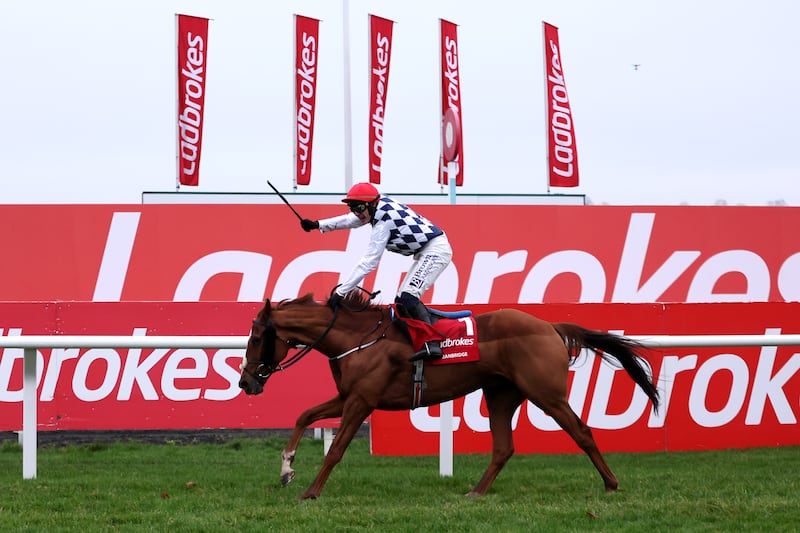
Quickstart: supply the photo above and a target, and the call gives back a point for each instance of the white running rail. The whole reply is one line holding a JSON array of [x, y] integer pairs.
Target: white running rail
[[30, 344]]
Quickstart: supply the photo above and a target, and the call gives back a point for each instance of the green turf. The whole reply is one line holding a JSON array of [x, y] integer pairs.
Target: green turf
[[235, 487]]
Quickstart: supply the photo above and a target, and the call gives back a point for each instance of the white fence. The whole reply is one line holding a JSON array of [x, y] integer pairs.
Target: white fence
[[30, 343]]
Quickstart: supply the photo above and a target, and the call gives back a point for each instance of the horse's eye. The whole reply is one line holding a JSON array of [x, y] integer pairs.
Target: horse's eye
[[256, 341]]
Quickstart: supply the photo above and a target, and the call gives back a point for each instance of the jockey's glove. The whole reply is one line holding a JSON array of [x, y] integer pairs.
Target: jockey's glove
[[335, 300], [307, 224]]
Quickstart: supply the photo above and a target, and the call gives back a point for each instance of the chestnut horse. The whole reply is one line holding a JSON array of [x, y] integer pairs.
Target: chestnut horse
[[521, 357]]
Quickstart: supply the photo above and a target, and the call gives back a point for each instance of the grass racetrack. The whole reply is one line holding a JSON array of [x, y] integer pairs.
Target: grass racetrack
[[234, 486]]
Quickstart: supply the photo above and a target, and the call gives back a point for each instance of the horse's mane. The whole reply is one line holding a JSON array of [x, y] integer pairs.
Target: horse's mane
[[305, 299], [352, 300]]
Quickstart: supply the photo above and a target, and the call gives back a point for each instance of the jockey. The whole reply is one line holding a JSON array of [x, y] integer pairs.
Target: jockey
[[397, 228]]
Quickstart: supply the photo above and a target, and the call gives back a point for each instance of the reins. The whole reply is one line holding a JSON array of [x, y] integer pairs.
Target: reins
[[363, 345]]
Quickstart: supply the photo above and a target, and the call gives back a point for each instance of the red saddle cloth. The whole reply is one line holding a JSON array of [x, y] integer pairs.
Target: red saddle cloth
[[459, 338]]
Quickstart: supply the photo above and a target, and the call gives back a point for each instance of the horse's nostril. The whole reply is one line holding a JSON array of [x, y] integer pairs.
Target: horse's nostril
[[242, 384]]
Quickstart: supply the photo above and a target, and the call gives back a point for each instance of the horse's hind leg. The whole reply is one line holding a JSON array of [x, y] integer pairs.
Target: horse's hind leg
[[501, 402], [329, 409], [563, 414]]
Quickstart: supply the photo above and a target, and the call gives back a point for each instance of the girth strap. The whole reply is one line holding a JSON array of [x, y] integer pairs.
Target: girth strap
[[418, 385]]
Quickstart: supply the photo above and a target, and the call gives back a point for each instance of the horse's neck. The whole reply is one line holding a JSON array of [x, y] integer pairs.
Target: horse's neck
[[351, 331], [303, 327]]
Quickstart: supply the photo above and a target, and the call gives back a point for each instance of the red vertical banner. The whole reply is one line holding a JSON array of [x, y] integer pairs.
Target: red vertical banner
[[562, 154], [452, 145], [380, 45], [305, 94], [192, 53]]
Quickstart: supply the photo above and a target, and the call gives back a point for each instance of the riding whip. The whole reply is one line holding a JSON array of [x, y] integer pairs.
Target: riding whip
[[285, 201]]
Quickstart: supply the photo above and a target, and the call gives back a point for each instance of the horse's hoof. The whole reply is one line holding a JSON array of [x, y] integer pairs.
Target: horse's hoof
[[473, 494], [286, 478], [308, 496]]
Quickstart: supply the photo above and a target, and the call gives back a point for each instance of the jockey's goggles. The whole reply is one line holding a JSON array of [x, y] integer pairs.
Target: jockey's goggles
[[357, 207]]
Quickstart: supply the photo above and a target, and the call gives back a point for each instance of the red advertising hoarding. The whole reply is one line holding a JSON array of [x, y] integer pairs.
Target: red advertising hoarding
[[571, 254], [103, 388], [123, 270], [712, 398]]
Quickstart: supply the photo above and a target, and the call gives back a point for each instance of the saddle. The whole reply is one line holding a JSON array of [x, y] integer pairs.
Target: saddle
[[457, 332], [455, 329], [437, 314]]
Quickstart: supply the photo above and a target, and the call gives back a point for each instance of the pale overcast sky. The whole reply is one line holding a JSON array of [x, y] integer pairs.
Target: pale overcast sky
[[87, 113]]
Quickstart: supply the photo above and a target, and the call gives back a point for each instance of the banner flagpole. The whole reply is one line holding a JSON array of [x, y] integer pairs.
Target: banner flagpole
[[177, 124], [294, 103], [442, 164], [348, 127], [546, 112]]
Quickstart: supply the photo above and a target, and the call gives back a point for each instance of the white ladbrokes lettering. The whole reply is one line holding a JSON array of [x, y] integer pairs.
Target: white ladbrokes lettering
[[631, 285], [381, 83], [99, 372], [305, 108], [451, 74], [191, 116], [765, 386], [461, 341]]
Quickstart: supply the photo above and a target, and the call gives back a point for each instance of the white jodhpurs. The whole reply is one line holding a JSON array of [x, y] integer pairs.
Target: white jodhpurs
[[428, 264]]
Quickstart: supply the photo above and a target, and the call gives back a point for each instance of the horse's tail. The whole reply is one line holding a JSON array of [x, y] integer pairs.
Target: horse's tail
[[613, 349]]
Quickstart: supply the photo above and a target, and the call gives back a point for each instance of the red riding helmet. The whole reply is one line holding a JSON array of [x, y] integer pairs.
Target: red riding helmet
[[362, 192]]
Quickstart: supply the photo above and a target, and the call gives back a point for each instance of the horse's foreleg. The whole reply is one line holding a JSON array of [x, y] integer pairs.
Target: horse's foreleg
[[329, 409], [563, 414], [501, 404], [355, 412]]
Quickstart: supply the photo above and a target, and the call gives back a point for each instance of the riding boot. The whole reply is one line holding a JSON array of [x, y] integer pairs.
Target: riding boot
[[432, 349]]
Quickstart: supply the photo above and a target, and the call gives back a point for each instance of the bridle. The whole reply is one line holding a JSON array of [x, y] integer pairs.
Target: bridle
[[264, 370]]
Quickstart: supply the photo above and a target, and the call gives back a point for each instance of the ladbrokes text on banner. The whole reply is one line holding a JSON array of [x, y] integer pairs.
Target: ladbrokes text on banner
[[192, 54], [562, 153], [139, 388], [451, 94], [380, 43], [305, 94], [248, 252], [711, 398]]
